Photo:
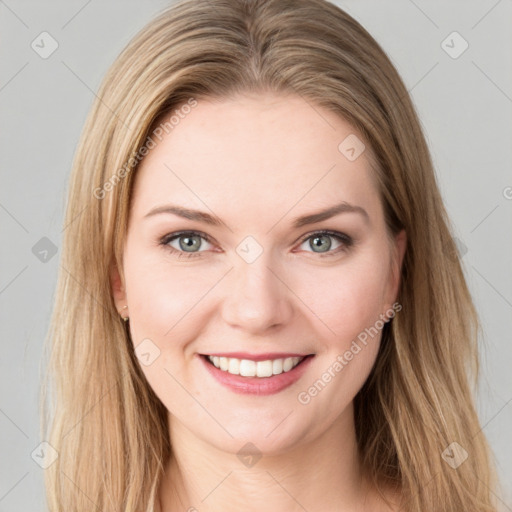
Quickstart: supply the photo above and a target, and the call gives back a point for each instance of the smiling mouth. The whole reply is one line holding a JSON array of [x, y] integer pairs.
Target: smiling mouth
[[250, 368]]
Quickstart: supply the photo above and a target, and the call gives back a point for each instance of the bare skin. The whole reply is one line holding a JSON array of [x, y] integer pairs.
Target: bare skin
[[257, 163]]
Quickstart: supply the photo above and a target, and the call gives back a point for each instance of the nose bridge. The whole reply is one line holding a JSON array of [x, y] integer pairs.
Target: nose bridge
[[256, 299]]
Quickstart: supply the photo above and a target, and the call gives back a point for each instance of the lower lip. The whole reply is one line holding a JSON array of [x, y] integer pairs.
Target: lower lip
[[257, 385]]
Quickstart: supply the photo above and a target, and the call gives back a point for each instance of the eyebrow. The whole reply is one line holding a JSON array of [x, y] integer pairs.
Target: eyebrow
[[298, 222]]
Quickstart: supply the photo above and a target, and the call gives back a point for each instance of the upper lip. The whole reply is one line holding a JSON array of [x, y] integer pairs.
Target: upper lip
[[257, 357]]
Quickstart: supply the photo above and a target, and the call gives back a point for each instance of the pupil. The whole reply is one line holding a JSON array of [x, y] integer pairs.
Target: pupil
[[190, 241], [318, 245]]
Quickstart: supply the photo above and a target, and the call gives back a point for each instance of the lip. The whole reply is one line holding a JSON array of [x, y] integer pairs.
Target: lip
[[257, 385]]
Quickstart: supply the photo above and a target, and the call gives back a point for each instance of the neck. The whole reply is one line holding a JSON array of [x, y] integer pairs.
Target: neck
[[202, 477]]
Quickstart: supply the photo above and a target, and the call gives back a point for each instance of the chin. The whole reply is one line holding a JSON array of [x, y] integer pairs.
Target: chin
[[271, 434]]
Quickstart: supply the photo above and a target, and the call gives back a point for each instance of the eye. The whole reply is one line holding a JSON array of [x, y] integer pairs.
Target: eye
[[187, 243], [321, 240]]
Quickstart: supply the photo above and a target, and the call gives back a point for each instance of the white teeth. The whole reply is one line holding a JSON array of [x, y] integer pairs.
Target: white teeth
[[277, 366], [287, 364], [234, 366], [264, 368], [249, 368]]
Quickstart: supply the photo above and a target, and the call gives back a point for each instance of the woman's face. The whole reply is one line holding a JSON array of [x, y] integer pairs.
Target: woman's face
[[244, 281]]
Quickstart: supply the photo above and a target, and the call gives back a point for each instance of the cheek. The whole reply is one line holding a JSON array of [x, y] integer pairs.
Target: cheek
[[347, 300], [165, 305], [163, 297]]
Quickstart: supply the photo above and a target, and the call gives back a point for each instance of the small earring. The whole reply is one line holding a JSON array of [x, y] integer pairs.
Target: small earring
[[125, 318]]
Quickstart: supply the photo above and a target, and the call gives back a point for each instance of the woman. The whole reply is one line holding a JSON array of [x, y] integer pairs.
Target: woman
[[260, 302]]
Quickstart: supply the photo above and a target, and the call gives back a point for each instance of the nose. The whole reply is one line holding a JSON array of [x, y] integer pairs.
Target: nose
[[257, 300]]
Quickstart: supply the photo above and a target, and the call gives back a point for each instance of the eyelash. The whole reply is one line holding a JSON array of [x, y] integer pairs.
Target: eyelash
[[346, 240]]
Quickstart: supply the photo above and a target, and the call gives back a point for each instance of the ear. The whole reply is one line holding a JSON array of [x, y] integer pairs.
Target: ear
[[118, 289], [399, 245]]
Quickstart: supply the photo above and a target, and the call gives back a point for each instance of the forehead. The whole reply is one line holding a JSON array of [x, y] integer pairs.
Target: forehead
[[255, 154]]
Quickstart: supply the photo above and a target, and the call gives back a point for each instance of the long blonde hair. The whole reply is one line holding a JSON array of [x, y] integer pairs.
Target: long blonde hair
[[98, 411]]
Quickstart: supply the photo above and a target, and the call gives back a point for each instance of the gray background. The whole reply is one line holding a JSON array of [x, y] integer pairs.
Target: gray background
[[465, 105]]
